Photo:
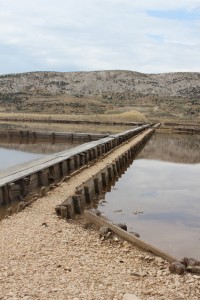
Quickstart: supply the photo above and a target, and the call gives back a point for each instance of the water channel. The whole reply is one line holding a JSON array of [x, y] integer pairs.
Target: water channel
[[12, 154], [159, 195]]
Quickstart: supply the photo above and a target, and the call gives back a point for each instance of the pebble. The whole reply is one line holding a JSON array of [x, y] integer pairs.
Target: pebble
[[134, 234], [159, 260], [148, 292], [159, 273], [196, 276], [130, 297], [177, 268], [122, 226], [103, 231]]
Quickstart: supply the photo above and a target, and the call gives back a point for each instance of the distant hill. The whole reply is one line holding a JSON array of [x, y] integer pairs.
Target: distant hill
[[157, 95]]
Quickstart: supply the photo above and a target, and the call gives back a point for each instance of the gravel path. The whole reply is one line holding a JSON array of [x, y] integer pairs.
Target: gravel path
[[45, 257]]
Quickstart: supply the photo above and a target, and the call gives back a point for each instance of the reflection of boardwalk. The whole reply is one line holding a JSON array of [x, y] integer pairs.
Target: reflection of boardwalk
[[28, 136], [180, 128]]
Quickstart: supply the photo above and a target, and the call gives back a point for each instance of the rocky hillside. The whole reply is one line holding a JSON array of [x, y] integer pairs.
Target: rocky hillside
[[170, 93]]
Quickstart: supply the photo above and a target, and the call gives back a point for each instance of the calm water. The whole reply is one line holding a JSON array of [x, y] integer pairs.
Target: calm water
[[9, 158], [13, 154], [159, 197]]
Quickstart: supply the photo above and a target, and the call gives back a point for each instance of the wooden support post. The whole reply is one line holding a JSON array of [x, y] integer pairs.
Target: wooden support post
[[76, 159], [132, 151], [77, 204], [86, 157], [78, 191], [81, 193], [96, 185], [98, 150], [123, 159], [61, 211], [10, 185], [126, 157], [121, 162], [61, 168], [81, 159], [102, 149], [51, 175], [114, 169], [90, 155], [113, 144], [109, 173], [41, 180], [94, 153], [25, 186], [87, 194], [117, 166], [103, 176], [69, 165], [70, 214], [6, 197], [106, 147], [129, 154], [65, 211]]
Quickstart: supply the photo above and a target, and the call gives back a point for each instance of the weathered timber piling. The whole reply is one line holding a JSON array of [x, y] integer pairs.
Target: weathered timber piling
[[51, 169], [180, 128], [99, 182], [128, 237], [47, 136]]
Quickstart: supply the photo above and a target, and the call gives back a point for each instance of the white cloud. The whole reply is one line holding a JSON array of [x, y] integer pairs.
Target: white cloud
[[93, 34]]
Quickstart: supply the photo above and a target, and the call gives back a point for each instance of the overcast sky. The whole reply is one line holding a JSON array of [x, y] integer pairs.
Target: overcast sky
[[152, 36]]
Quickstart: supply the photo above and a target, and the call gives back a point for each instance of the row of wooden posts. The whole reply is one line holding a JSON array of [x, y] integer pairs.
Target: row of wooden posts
[[89, 190], [31, 177]]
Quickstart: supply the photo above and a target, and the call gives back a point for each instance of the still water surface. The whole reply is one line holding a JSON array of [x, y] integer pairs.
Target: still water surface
[[159, 197], [14, 154], [9, 158]]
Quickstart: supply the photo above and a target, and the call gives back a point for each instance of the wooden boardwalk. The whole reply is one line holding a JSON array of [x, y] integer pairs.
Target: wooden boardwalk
[[20, 181]]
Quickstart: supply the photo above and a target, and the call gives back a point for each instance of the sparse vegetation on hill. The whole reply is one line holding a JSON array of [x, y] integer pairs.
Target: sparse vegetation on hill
[[171, 95]]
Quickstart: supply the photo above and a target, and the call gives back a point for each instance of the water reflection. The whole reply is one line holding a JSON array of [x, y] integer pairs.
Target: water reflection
[[173, 147], [160, 200], [9, 158], [13, 153], [44, 148]]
